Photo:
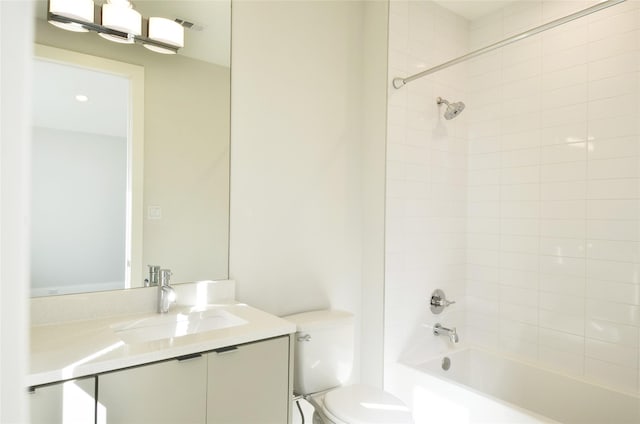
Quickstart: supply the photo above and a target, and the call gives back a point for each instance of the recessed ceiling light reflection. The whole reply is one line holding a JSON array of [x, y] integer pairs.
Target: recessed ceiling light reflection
[[82, 98]]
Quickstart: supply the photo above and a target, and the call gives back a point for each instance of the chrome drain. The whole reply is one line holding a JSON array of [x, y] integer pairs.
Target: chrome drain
[[446, 363]]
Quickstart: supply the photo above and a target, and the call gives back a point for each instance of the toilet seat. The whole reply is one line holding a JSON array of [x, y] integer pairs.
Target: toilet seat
[[361, 404]]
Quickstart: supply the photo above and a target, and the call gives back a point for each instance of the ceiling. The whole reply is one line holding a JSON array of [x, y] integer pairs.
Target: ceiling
[[474, 9], [208, 40], [55, 106]]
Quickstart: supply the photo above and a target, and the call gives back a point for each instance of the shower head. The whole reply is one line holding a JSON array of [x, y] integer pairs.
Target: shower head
[[453, 109]]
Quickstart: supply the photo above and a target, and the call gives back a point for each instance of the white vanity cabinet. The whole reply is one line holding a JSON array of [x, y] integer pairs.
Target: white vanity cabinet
[[249, 384], [69, 402], [244, 384], [168, 392]]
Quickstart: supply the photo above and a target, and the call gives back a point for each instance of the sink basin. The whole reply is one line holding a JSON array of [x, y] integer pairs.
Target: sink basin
[[175, 325]]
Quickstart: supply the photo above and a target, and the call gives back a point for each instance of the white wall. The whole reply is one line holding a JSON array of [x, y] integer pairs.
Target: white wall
[[15, 59], [426, 179], [297, 171], [554, 199]]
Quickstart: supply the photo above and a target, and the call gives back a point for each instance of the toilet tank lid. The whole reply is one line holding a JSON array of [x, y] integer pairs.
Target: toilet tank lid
[[314, 320]]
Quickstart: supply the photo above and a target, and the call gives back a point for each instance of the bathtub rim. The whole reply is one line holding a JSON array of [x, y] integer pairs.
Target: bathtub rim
[[520, 361]]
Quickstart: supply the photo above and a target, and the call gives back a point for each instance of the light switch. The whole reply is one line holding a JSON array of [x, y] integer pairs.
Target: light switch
[[154, 212]]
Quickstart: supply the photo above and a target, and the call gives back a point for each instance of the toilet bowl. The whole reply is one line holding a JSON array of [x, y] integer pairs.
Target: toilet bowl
[[360, 404], [322, 367]]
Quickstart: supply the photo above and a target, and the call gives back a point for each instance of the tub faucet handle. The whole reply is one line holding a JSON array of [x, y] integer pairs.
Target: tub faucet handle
[[439, 301]]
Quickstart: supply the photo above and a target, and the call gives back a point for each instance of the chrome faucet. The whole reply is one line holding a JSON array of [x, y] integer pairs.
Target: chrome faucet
[[166, 294], [438, 329]]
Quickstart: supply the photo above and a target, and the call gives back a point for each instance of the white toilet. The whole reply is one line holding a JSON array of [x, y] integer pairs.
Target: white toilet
[[322, 364]]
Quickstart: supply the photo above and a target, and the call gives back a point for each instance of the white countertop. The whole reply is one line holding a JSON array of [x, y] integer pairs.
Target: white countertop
[[75, 349]]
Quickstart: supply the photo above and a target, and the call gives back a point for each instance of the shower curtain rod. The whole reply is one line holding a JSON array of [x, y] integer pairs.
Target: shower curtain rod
[[400, 82]]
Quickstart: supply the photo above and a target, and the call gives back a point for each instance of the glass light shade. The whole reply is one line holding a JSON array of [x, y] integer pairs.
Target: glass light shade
[[121, 18], [165, 31], [81, 10]]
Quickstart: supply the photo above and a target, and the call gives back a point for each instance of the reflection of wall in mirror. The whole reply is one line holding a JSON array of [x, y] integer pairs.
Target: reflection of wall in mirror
[[79, 185], [186, 159]]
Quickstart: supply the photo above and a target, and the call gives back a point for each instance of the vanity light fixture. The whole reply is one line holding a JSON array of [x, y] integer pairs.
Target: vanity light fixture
[[120, 23], [81, 10], [165, 31], [121, 16]]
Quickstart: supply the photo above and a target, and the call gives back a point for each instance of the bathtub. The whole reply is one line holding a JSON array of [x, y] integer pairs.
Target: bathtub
[[481, 387]]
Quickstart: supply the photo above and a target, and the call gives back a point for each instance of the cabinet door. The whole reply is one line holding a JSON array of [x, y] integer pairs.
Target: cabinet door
[[249, 384], [71, 402], [166, 392]]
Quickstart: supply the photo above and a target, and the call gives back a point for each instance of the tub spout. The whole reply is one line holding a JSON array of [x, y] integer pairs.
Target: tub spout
[[438, 329]]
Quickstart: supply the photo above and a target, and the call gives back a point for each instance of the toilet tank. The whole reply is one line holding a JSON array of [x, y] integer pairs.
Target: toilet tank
[[323, 350]]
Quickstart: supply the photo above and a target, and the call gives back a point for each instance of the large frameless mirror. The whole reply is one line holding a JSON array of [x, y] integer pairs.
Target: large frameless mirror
[[133, 169]]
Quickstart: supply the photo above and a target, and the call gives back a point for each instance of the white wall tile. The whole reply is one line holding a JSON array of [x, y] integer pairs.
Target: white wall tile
[[518, 278], [562, 284], [620, 313], [519, 261], [562, 265], [565, 77], [613, 45], [572, 114], [624, 251], [623, 63], [572, 324], [519, 296], [567, 190], [519, 244], [562, 209], [561, 341], [627, 209], [567, 171], [613, 25], [557, 55], [618, 188], [515, 192], [609, 291], [614, 229], [518, 330], [611, 332], [613, 148], [575, 132], [519, 313], [562, 247], [622, 272], [615, 86], [566, 228], [520, 175]]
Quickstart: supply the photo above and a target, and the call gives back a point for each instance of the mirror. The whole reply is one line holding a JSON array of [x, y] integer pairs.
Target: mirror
[[182, 215]]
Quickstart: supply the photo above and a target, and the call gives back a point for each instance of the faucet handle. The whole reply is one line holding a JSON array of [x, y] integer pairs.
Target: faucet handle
[[165, 276], [439, 301], [154, 271]]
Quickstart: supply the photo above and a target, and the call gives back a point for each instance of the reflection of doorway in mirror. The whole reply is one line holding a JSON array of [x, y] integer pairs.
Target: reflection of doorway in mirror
[[82, 202]]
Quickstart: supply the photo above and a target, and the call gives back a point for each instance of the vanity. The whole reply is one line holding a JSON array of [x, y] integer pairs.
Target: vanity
[[211, 361], [130, 167]]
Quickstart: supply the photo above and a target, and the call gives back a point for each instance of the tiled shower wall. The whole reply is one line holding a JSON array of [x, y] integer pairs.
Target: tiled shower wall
[[426, 177], [527, 206], [553, 257]]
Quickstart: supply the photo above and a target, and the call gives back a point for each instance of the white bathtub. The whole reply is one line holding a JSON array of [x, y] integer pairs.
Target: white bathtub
[[481, 387]]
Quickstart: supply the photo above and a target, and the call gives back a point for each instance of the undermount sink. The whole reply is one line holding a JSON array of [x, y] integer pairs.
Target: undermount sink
[[175, 325]]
